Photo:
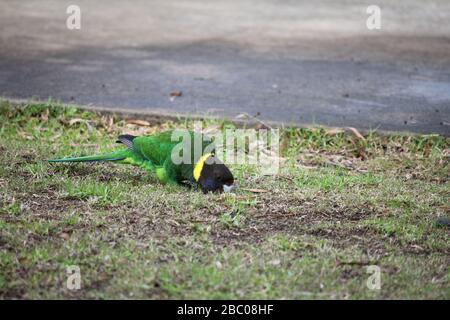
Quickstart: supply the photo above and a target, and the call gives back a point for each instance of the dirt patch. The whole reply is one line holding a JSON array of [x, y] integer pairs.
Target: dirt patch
[[47, 205], [353, 235], [291, 216]]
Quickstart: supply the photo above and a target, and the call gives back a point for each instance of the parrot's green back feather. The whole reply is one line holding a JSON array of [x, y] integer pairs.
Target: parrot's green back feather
[[152, 153], [158, 148]]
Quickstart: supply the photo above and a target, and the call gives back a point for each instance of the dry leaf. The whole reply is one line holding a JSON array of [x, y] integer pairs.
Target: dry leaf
[[362, 153], [334, 131], [256, 190], [108, 123], [242, 116], [84, 145], [137, 122], [55, 137], [25, 135], [211, 130], [176, 94], [44, 116], [356, 132], [76, 120]]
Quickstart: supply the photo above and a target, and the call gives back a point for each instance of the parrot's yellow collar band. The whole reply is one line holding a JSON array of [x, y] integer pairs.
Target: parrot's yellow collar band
[[199, 165]]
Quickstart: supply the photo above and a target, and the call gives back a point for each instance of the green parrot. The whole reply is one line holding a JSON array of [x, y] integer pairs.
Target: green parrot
[[172, 160]]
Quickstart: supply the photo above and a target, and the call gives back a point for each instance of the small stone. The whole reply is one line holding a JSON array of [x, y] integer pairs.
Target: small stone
[[275, 262], [443, 222], [64, 236]]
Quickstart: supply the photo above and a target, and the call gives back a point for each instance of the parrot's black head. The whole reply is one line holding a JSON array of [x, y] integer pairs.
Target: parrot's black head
[[213, 175]]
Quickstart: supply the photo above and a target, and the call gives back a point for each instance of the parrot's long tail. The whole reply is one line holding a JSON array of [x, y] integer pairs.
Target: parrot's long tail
[[114, 156]]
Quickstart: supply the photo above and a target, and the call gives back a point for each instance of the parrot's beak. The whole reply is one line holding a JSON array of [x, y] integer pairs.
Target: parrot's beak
[[227, 188]]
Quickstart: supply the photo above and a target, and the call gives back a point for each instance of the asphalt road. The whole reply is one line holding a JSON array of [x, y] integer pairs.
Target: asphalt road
[[293, 62]]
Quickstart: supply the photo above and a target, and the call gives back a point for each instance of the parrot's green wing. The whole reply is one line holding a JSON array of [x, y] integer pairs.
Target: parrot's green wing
[[154, 153], [157, 149]]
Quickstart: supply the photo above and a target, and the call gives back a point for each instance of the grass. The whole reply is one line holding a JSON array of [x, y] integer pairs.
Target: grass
[[340, 203]]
